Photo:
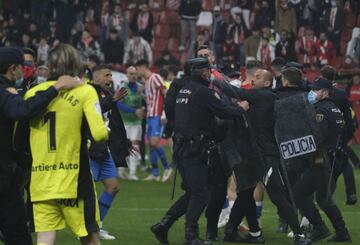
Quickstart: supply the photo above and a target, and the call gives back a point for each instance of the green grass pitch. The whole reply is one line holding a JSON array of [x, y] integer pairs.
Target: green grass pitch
[[141, 204]]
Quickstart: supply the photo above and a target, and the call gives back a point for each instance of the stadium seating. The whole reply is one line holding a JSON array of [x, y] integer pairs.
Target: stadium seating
[[169, 17], [346, 35], [156, 16], [163, 31], [358, 21], [350, 20], [172, 5], [159, 44], [208, 5], [173, 45]]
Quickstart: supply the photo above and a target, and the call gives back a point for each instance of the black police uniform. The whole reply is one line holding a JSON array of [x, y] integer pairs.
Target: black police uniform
[[12, 108], [341, 101], [316, 177], [261, 118], [196, 107]]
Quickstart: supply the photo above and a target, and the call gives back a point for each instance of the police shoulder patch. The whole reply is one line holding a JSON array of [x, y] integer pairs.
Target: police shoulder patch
[[319, 117], [12, 90]]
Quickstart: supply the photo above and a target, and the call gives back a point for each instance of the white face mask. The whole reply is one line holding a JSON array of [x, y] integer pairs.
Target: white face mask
[[41, 79], [312, 97]]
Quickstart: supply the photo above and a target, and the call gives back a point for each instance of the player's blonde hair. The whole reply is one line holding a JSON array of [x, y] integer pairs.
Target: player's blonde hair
[[64, 59]]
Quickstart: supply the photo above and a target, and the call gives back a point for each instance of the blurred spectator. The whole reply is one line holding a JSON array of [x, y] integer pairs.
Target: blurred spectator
[[25, 21], [39, 8], [88, 45], [137, 49], [173, 71], [91, 62], [166, 59], [113, 48], [189, 11], [201, 40], [276, 66], [299, 7], [308, 48], [252, 44], [65, 18], [353, 48], [42, 51], [42, 74], [218, 32], [230, 52], [354, 94], [34, 34], [271, 35], [326, 53], [3, 39], [13, 31], [263, 16], [90, 23], [52, 37], [118, 21], [26, 41], [239, 32], [76, 33], [285, 48], [142, 22], [265, 53], [285, 18], [334, 22]]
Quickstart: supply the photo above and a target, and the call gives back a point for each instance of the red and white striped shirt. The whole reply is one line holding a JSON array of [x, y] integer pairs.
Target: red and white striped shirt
[[154, 97]]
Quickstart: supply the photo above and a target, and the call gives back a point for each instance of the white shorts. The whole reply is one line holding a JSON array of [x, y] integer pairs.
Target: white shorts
[[133, 132]]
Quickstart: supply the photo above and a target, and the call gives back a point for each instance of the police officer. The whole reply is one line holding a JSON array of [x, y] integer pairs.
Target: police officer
[[12, 108], [195, 111], [341, 101], [316, 177]]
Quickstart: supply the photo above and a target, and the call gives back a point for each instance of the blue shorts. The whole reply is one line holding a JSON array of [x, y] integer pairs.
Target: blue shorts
[[104, 170], [153, 127]]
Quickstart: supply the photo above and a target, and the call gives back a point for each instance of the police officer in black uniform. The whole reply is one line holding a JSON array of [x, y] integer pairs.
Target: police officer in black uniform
[[196, 108], [316, 177], [12, 108], [340, 99]]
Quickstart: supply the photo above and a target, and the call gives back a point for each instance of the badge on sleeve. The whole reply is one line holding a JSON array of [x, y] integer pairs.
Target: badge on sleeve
[[319, 117], [12, 90]]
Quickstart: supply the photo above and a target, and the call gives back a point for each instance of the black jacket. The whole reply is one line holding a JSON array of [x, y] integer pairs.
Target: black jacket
[[341, 101], [284, 92], [170, 100], [118, 142], [12, 108]]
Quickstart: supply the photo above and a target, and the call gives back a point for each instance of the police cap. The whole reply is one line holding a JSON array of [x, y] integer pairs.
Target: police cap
[[321, 83], [199, 63], [294, 64], [11, 55]]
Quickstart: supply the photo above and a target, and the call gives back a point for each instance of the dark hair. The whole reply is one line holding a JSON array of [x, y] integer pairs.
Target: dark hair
[[142, 62], [173, 69], [278, 62], [202, 47], [164, 72], [328, 72], [94, 58], [253, 64], [293, 75], [4, 68], [102, 67]]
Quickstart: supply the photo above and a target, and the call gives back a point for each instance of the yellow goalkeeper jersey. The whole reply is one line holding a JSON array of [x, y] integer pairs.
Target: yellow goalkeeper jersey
[[60, 166]]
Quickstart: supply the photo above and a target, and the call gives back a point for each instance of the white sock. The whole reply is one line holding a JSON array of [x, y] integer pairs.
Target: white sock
[[259, 204], [133, 162], [255, 234], [231, 204]]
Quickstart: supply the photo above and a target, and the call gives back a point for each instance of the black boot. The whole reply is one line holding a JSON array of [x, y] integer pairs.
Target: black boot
[[161, 229], [192, 238], [343, 236], [318, 233], [232, 234], [351, 200], [283, 226], [212, 236], [301, 240], [254, 239]]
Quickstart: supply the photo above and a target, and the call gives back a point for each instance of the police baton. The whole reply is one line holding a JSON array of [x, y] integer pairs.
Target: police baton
[[332, 167], [174, 183]]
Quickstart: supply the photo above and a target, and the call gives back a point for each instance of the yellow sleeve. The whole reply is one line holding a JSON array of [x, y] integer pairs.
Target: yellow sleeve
[[93, 116]]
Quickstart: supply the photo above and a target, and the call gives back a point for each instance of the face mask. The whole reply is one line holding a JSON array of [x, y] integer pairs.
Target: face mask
[[312, 97], [41, 79], [19, 82]]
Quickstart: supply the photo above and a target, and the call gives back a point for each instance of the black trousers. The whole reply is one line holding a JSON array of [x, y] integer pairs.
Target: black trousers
[[278, 195], [13, 218], [244, 206], [342, 166], [194, 172], [315, 180], [218, 182]]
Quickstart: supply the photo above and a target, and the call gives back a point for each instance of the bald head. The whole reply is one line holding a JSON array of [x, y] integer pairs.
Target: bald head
[[263, 79], [132, 74]]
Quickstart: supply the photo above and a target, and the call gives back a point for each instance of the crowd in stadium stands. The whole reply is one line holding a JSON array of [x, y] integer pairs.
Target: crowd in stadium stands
[[314, 33]]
